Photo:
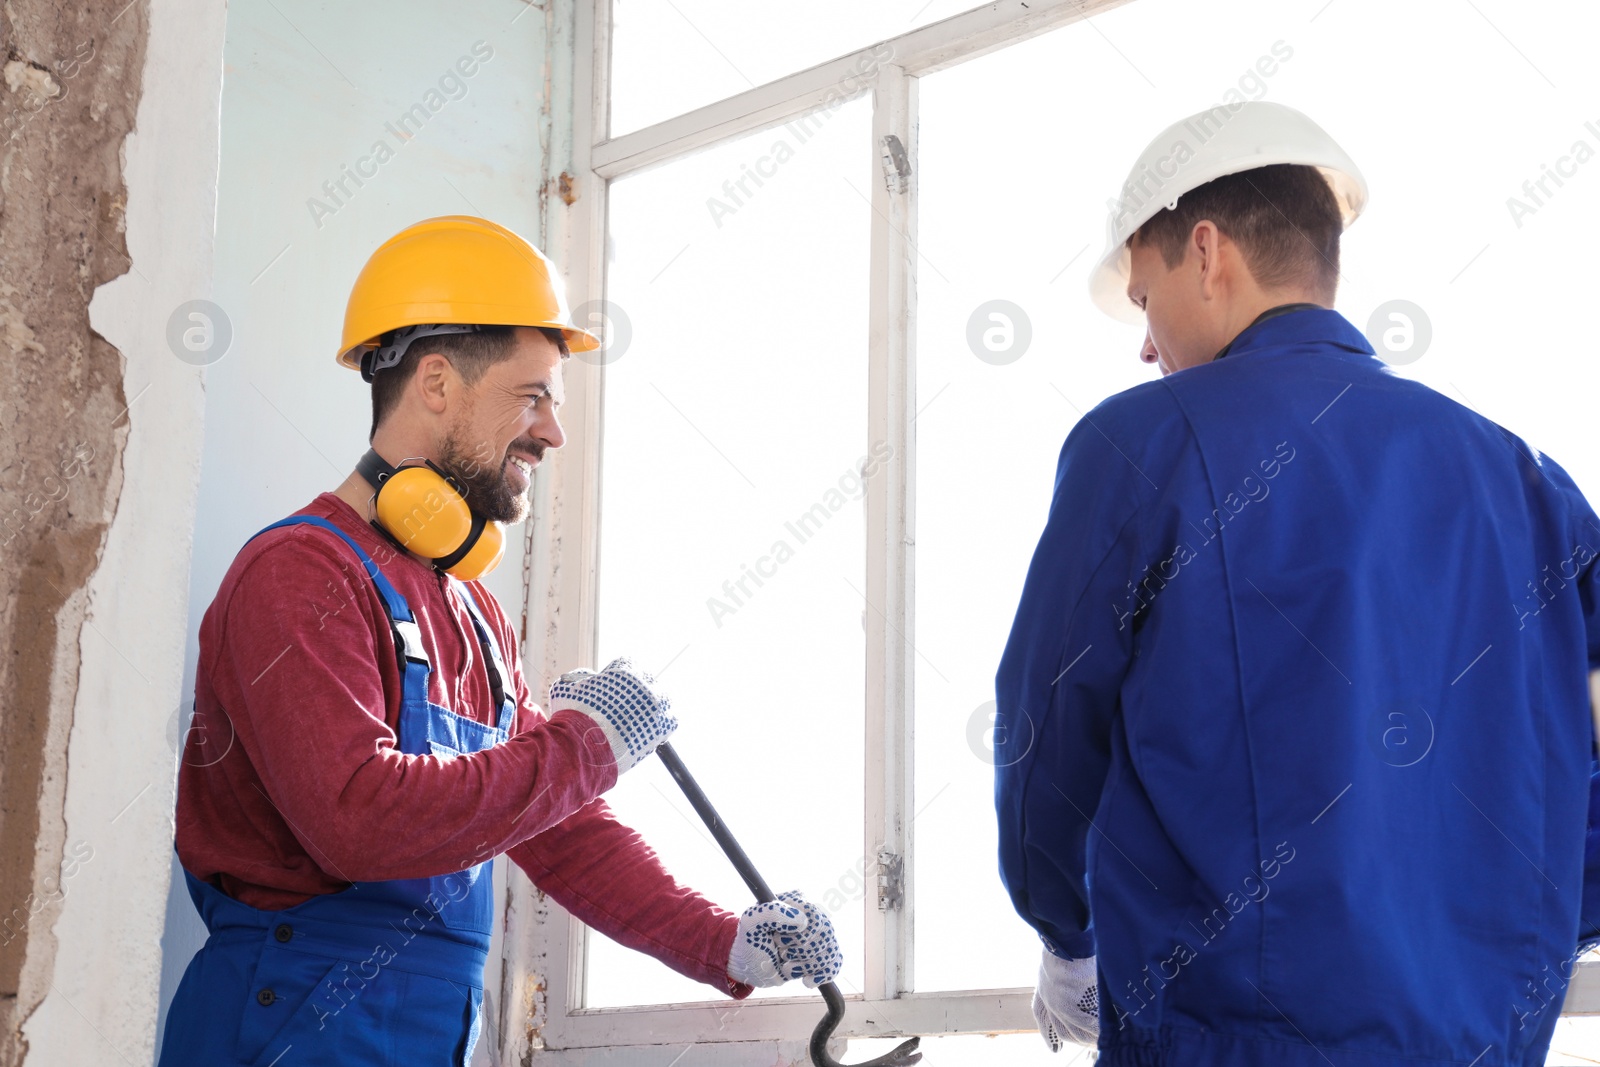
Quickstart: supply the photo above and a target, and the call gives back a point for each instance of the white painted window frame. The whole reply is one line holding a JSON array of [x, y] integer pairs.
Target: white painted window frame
[[543, 967]]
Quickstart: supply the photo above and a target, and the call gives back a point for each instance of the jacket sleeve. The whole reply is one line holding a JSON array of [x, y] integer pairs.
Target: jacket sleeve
[[1589, 602], [1056, 691], [309, 711], [604, 873], [1584, 528], [1589, 914]]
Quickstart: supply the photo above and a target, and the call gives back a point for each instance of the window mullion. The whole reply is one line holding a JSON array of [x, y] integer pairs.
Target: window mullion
[[546, 948], [891, 398]]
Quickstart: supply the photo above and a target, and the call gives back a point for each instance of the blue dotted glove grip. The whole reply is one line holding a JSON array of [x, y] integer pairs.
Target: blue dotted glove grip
[[785, 939], [624, 703]]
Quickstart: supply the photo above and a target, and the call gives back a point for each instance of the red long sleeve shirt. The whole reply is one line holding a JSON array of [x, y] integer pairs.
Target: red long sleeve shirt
[[292, 782]]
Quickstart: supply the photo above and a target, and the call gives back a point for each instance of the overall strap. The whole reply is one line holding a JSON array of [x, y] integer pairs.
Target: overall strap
[[407, 635], [499, 677]]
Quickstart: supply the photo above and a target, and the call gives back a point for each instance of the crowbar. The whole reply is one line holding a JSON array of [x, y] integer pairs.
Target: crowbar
[[904, 1054]]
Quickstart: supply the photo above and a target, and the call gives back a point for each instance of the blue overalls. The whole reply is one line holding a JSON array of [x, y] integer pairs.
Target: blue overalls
[[380, 973]]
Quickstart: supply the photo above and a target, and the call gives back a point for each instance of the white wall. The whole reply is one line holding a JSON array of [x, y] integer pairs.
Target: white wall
[[308, 90]]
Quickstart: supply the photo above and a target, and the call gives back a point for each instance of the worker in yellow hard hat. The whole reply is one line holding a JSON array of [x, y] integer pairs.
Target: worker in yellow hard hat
[[465, 285], [364, 742]]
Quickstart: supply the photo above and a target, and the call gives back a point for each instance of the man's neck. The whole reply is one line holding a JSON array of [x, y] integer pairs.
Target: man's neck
[[355, 491], [1246, 312], [392, 449]]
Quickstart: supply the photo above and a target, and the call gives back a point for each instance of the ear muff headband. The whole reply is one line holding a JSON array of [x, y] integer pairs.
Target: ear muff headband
[[421, 510]]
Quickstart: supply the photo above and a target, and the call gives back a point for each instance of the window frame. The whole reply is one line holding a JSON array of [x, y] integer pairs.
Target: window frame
[[545, 950]]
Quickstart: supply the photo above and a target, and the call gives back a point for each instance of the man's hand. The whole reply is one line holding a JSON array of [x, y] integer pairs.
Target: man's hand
[[782, 940], [624, 702], [1067, 1004]]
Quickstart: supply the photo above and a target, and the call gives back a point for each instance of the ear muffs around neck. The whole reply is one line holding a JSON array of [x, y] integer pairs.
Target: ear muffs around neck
[[419, 507]]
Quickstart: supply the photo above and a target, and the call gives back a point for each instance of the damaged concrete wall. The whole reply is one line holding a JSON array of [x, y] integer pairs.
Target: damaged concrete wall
[[71, 88], [107, 178]]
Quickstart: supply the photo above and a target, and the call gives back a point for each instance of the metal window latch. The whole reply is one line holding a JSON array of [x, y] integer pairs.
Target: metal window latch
[[891, 879], [896, 164]]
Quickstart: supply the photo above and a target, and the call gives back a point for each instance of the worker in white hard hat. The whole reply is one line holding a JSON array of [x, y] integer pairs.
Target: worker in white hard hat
[[364, 741], [1298, 682]]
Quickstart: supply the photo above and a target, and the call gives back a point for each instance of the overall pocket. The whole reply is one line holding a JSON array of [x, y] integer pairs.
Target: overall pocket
[[286, 987], [469, 897]]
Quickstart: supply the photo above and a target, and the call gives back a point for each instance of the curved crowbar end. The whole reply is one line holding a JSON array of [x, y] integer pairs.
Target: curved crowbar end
[[902, 1055]]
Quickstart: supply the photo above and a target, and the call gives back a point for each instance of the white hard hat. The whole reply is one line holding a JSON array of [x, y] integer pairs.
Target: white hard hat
[[1225, 139]]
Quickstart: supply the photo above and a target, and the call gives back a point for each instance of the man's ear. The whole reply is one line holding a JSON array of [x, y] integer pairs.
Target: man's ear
[[434, 378], [1205, 242]]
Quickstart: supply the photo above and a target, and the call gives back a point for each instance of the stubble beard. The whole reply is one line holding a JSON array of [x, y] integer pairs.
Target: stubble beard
[[484, 483]]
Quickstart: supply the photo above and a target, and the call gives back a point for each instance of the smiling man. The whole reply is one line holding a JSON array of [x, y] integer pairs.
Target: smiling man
[[1291, 768], [499, 385], [364, 742]]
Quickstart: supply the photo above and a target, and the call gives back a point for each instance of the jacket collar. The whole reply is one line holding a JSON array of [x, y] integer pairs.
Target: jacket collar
[[1289, 324]]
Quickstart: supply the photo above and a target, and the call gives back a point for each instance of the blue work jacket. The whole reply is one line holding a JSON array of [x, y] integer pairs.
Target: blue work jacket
[[1293, 728]]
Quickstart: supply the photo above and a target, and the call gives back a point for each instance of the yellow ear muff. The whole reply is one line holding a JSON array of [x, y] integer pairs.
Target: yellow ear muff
[[420, 508], [423, 512], [482, 557]]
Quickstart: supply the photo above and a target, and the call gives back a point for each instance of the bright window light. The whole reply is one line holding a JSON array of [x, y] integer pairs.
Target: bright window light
[[672, 57], [732, 545]]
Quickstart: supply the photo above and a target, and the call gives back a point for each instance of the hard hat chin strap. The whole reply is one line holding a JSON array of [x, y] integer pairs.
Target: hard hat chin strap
[[388, 355]]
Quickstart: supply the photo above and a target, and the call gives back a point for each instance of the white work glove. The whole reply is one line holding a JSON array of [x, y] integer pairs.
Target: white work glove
[[1067, 1005], [624, 702], [782, 940]]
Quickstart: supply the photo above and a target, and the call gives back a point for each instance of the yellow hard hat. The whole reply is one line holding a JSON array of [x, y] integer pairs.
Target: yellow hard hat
[[455, 269]]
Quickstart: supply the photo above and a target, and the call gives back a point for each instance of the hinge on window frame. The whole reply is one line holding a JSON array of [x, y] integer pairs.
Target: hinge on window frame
[[896, 165], [891, 879]]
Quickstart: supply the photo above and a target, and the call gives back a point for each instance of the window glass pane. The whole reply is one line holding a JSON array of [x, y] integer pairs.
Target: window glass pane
[[1012, 208], [672, 56], [1576, 1041], [988, 431], [732, 540]]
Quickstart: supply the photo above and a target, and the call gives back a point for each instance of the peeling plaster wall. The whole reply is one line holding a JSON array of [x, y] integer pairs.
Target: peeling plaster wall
[[110, 115], [61, 201], [310, 91]]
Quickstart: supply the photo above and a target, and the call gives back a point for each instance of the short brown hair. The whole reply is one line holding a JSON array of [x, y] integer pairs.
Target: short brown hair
[[1284, 218], [471, 354]]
